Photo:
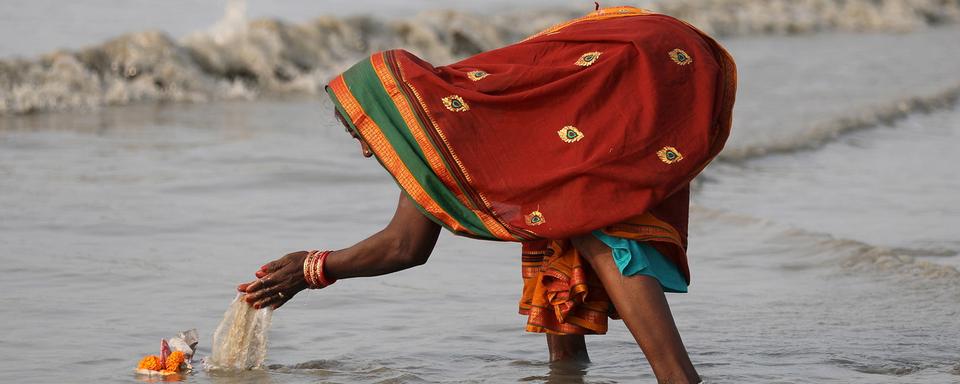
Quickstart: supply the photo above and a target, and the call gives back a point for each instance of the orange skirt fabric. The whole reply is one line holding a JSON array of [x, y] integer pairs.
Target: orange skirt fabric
[[561, 293]]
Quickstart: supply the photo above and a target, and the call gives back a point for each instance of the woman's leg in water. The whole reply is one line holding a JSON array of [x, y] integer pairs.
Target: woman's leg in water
[[567, 348], [641, 303]]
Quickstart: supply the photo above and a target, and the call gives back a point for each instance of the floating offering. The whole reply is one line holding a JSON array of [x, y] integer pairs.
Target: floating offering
[[175, 356]]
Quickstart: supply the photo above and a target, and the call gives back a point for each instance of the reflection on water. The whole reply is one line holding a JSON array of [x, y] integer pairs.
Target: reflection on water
[[342, 371], [255, 376], [571, 372], [176, 377]]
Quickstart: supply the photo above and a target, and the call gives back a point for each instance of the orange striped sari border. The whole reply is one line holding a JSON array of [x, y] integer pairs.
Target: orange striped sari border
[[384, 151], [652, 229], [600, 14], [493, 225], [429, 152], [426, 147]]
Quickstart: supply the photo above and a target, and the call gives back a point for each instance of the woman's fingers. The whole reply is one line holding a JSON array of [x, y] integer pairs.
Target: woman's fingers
[[257, 294], [260, 297], [261, 283], [248, 287], [282, 275], [259, 289], [271, 266], [274, 299], [253, 286], [264, 302]]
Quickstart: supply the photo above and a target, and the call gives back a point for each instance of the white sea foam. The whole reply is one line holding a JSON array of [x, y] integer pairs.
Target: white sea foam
[[237, 58]]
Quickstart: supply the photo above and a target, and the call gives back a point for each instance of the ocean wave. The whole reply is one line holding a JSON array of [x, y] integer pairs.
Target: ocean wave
[[849, 255], [240, 59], [746, 17], [866, 257], [237, 59], [817, 135]]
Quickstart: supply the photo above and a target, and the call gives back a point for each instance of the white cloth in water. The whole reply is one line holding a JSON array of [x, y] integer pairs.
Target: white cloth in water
[[240, 341]]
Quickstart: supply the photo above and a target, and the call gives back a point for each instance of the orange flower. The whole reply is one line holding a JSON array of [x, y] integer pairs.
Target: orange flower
[[151, 363], [173, 361]]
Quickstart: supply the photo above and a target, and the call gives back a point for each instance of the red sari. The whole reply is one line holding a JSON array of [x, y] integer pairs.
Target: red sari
[[597, 123]]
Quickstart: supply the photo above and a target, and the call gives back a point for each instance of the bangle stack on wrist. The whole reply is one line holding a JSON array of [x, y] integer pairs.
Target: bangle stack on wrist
[[313, 270]]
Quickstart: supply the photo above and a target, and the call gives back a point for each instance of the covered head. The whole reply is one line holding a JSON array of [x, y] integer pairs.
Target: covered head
[[599, 123], [580, 127]]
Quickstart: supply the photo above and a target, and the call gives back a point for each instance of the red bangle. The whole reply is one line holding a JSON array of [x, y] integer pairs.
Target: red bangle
[[313, 271], [321, 277]]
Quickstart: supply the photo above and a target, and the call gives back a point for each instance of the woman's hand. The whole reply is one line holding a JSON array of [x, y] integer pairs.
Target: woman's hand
[[406, 242], [277, 282]]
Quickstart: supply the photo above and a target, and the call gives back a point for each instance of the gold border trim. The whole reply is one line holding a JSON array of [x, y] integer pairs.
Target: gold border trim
[[388, 156], [493, 225], [409, 117], [602, 14]]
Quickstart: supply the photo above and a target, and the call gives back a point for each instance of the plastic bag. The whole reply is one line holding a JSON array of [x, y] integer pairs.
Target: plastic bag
[[240, 341], [185, 342]]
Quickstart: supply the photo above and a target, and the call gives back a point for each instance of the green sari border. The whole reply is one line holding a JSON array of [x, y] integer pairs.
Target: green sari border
[[366, 87]]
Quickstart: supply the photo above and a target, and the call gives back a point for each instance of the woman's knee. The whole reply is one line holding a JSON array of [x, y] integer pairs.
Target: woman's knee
[[590, 247]]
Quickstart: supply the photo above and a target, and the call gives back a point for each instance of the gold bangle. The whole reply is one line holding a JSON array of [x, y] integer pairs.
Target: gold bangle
[[307, 269]]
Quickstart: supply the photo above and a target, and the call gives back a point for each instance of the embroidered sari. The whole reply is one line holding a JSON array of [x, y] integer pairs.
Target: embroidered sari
[[599, 123]]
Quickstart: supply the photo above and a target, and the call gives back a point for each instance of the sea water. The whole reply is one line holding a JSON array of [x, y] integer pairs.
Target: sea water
[[136, 221], [822, 243]]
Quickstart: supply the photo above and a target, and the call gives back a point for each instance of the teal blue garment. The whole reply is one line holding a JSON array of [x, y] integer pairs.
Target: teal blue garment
[[634, 257]]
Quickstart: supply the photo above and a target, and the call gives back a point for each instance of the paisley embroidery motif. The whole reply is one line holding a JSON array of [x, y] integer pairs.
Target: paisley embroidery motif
[[570, 134], [455, 103], [669, 155], [477, 75], [587, 59], [534, 218], [680, 56]]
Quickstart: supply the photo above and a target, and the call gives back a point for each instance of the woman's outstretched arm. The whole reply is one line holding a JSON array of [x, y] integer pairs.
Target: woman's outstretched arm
[[406, 242]]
